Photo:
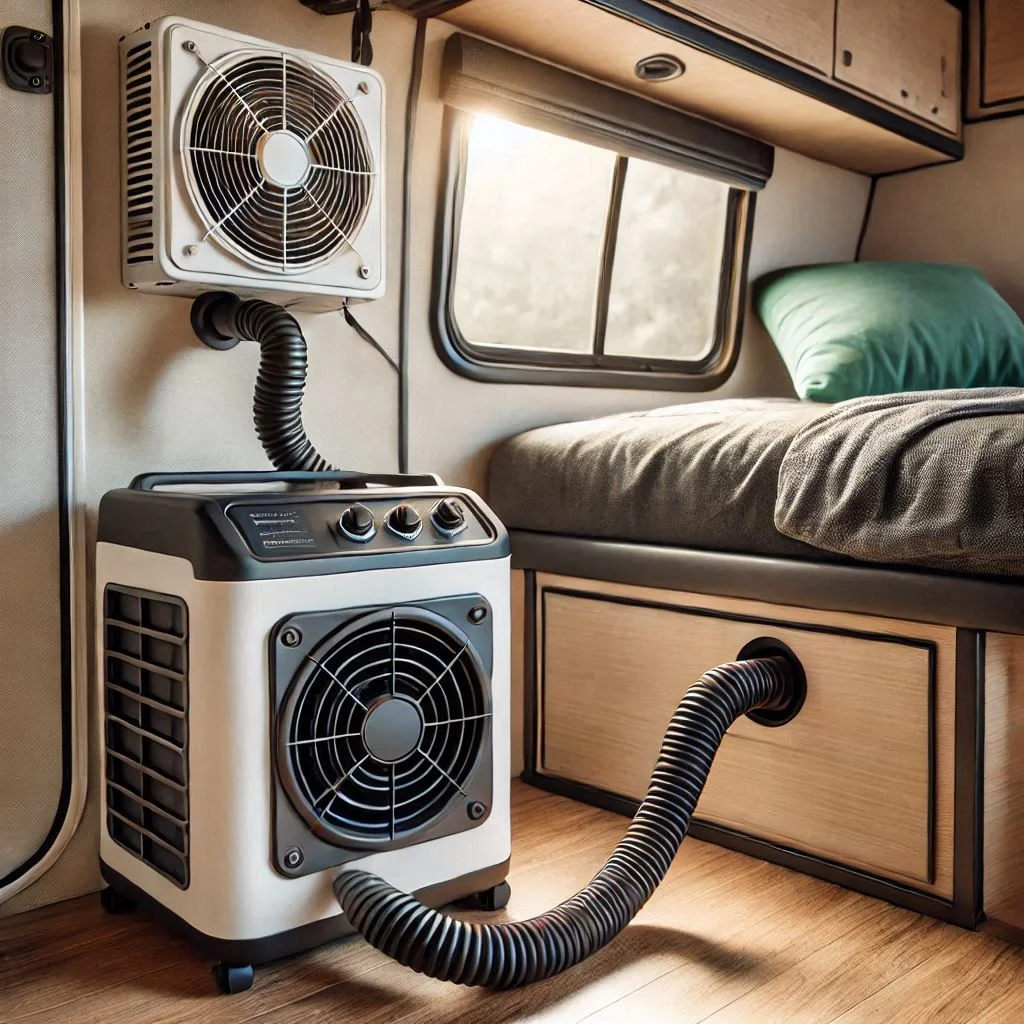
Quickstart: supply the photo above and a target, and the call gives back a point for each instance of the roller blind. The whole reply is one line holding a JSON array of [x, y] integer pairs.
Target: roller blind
[[482, 78]]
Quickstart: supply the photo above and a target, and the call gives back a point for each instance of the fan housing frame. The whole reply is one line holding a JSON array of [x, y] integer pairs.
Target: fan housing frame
[[294, 831], [162, 250]]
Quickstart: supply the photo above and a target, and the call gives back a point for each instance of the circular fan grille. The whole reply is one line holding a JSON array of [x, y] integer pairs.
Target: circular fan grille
[[277, 161], [382, 727]]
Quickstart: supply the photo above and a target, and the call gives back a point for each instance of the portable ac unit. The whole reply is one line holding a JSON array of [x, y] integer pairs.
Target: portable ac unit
[[249, 168], [291, 682]]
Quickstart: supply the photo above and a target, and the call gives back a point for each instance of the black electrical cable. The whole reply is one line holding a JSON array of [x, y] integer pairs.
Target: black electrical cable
[[509, 955], [362, 27], [369, 338]]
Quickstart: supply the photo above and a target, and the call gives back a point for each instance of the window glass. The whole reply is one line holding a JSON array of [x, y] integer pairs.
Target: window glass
[[538, 279], [665, 285], [531, 238]]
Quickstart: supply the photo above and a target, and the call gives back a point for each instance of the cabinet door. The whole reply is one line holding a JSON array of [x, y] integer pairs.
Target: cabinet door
[[798, 29], [906, 52], [1002, 52]]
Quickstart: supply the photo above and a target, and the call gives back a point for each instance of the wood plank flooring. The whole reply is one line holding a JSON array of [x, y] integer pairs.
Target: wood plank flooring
[[725, 939]]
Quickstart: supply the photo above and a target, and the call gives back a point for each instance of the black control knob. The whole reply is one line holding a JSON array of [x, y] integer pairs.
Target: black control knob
[[449, 517], [404, 521], [357, 524]]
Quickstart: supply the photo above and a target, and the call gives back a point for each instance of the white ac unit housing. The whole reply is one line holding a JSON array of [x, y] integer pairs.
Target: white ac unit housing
[[249, 167]]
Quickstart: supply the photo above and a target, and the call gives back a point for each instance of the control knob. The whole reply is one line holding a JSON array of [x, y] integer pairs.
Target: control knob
[[357, 524], [449, 517], [404, 521]]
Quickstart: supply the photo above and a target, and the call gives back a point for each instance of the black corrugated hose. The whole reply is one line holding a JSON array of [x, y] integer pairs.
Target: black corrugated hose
[[281, 379], [504, 956]]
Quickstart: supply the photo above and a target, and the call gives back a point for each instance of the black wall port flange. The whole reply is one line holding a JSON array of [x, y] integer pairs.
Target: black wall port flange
[[27, 56], [788, 709]]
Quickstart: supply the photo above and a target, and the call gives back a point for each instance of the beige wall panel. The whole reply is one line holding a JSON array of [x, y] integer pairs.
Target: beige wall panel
[[30, 668], [809, 212], [969, 212]]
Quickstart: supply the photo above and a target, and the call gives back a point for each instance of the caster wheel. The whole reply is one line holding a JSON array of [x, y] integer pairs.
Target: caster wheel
[[233, 978], [114, 903], [495, 898]]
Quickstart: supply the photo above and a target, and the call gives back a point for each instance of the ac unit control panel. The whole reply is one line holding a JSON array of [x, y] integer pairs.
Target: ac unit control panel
[[367, 524]]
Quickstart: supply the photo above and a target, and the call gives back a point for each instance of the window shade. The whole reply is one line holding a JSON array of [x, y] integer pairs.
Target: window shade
[[482, 78]]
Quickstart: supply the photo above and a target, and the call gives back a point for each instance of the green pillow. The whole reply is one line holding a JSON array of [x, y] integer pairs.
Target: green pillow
[[850, 329]]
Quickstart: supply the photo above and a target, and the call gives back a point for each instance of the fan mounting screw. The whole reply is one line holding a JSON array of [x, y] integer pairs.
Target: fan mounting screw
[[191, 250], [364, 88], [291, 637], [476, 810], [189, 45], [293, 858], [477, 614], [364, 272]]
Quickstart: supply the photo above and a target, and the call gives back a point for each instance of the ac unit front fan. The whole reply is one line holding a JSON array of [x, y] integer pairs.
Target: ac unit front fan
[[250, 168]]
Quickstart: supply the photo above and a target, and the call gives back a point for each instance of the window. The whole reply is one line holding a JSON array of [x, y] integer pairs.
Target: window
[[567, 256]]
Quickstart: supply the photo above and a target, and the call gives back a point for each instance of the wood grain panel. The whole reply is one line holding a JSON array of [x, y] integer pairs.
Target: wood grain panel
[[906, 52], [1003, 42], [996, 59], [799, 29], [1004, 779], [848, 779], [605, 47]]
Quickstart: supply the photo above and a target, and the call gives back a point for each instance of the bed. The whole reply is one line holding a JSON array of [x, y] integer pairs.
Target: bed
[[881, 539]]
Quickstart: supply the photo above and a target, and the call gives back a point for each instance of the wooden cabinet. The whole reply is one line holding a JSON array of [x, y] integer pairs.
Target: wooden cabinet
[[905, 52], [798, 29], [997, 58], [764, 67], [862, 776]]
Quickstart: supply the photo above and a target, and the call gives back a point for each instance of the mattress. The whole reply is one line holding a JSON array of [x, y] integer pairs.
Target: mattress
[[701, 475]]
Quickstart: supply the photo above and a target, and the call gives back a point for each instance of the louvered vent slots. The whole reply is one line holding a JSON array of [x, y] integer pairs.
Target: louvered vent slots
[[138, 128], [146, 705]]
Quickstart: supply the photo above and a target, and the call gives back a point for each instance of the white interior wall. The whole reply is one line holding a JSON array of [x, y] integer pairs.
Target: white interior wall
[[969, 212], [157, 400]]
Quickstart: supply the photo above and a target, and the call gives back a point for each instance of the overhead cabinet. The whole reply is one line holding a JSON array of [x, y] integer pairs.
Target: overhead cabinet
[[905, 52], [800, 29], [996, 38], [871, 85]]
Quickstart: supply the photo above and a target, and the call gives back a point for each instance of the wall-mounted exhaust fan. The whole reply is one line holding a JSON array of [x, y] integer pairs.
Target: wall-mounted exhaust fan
[[250, 168]]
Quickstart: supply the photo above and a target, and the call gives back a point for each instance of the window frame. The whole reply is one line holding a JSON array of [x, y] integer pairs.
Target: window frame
[[501, 364]]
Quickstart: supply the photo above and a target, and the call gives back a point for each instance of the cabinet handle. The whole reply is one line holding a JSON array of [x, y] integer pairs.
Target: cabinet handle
[[942, 69]]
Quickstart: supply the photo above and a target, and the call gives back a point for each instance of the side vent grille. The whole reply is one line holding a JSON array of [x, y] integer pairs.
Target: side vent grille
[[138, 152], [146, 724]]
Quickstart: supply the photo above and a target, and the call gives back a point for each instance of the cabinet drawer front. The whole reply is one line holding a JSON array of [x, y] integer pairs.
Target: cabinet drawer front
[[906, 52], [798, 29], [850, 779]]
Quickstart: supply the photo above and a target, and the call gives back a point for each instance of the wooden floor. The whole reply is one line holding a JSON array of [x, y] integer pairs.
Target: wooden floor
[[726, 938]]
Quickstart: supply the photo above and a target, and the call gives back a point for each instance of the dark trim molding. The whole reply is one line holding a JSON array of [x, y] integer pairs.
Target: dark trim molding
[[405, 293], [970, 602], [869, 205], [62, 355], [969, 778], [676, 27]]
